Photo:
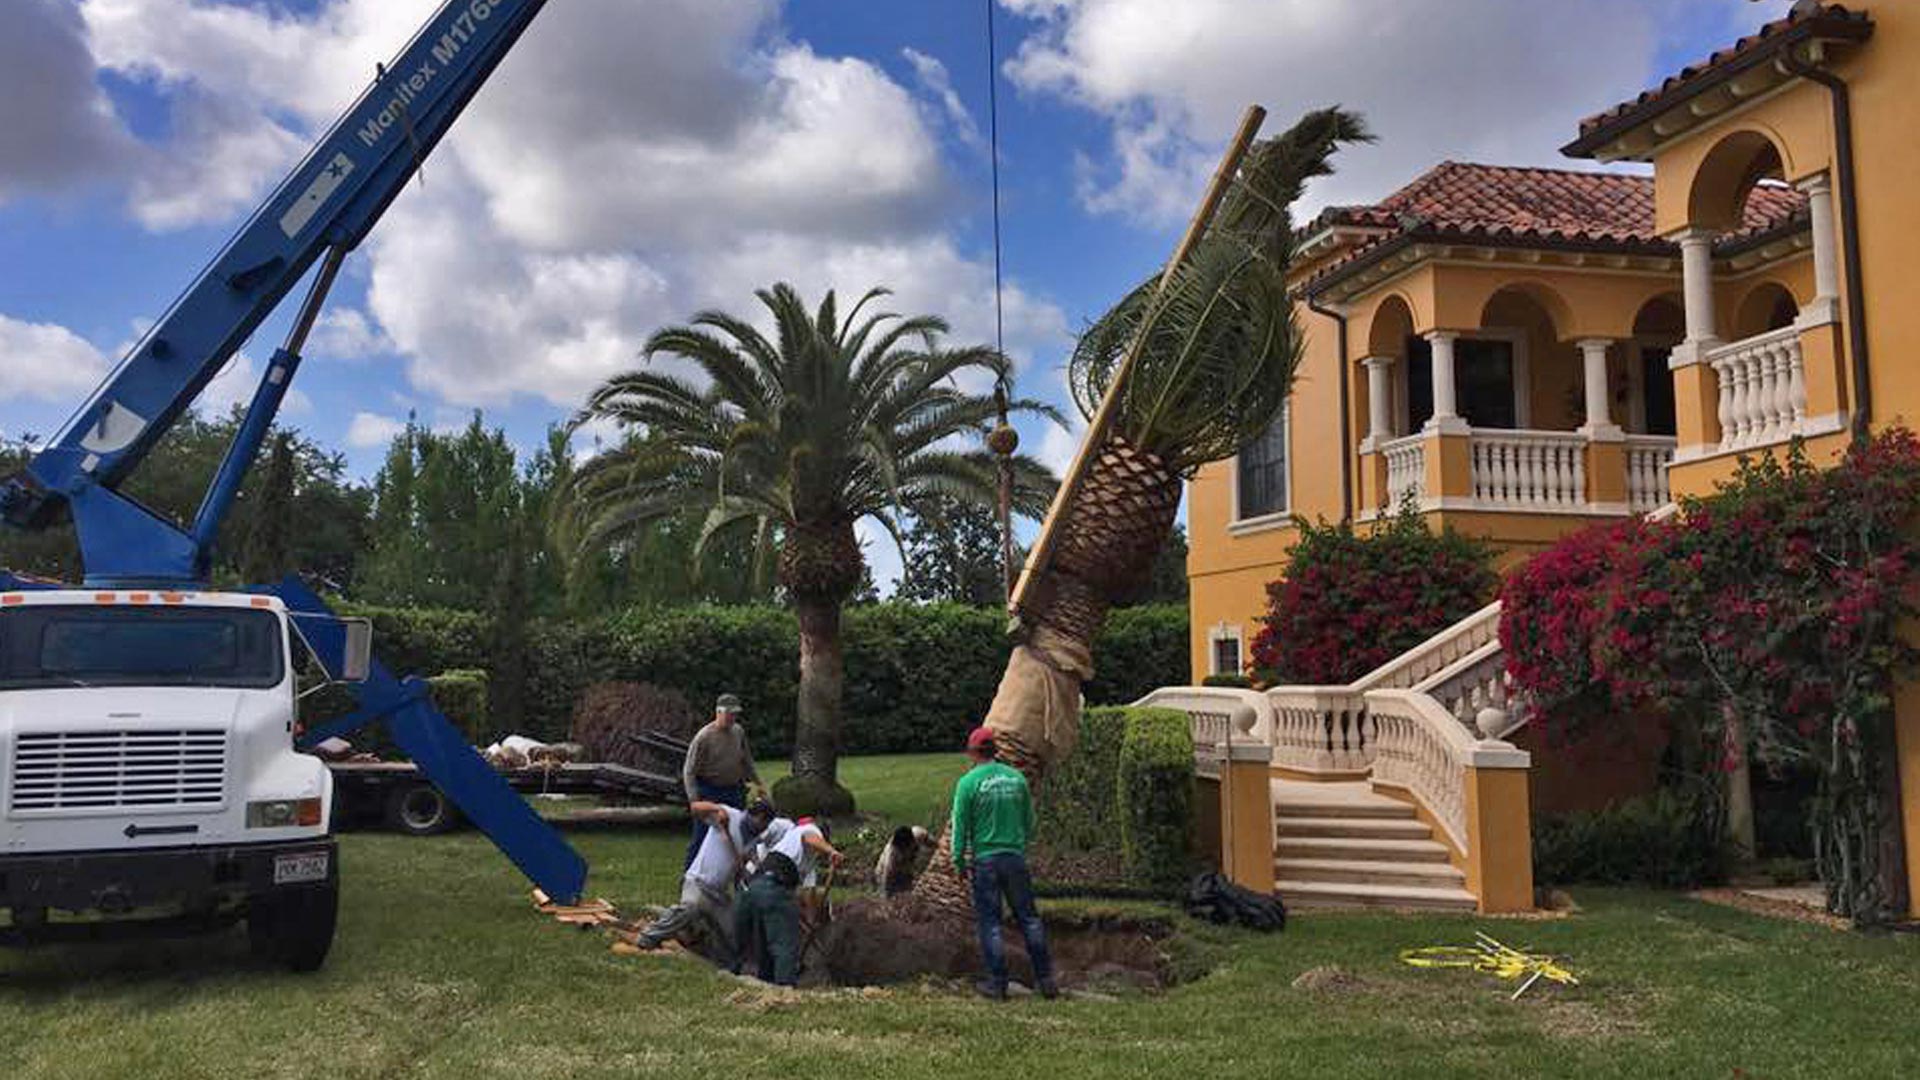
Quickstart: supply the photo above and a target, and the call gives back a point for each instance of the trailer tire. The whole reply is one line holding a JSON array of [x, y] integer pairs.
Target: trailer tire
[[417, 808], [294, 928]]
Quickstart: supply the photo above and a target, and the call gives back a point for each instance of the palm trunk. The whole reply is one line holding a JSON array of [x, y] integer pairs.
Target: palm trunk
[[820, 566], [1108, 541], [816, 737]]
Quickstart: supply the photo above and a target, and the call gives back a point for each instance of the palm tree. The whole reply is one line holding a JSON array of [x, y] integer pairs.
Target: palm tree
[[795, 439], [1219, 347]]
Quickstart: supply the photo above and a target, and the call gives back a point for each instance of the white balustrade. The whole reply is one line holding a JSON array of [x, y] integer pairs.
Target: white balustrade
[[1406, 470], [1647, 459], [1217, 716], [1540, 470], [1473, 684], [1422, 749], [1763, 389], [1436, 653], [1320, 729]]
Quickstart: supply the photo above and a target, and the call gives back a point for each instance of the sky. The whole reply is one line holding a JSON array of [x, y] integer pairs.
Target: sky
[[636, 161]]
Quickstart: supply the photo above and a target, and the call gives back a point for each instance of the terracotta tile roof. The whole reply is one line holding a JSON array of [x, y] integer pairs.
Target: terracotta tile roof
[[1828, 20], [1550, 204], [1534, 207]]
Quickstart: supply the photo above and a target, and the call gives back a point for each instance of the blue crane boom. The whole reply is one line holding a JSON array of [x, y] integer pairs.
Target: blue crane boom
[[318, 214]]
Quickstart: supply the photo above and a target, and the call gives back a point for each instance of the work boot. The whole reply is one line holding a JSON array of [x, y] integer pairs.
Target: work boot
[[1049, 989], [990, 990]]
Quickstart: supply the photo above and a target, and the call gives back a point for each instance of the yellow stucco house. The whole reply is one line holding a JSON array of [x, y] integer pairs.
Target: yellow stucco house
[[1523, 351]]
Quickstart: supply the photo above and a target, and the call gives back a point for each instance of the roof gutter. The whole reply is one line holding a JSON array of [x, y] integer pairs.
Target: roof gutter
[[1824, 27], [1346, 419], [1850, 234]]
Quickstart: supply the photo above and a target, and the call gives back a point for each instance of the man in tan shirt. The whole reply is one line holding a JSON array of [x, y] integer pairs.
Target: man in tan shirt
[[719, 766]]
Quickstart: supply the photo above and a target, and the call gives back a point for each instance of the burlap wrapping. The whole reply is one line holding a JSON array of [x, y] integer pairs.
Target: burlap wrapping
[[1035, 715]]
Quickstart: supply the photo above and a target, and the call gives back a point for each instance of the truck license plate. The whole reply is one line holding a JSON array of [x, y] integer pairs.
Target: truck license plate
[[299, 869]]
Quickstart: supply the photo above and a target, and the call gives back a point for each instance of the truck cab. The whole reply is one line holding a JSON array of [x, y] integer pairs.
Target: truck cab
[[148, 774]]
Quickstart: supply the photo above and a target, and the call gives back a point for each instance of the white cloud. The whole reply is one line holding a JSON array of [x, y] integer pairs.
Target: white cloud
[[1498, 80], [370, 431], [937, 82], [482, 319], [235, 153], [56, 126], [346, 333], [628, 165], [46, 362], [235, 386], [1059, 445]]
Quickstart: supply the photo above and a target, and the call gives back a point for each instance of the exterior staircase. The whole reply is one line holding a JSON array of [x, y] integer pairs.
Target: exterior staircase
[[1341, 845]]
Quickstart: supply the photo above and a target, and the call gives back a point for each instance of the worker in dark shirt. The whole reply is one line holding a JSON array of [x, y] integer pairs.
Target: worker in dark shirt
[[718, 768]]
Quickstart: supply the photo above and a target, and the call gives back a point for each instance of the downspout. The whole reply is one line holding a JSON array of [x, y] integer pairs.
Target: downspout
[[1893, 849], [1346, 421], [1850, 234]]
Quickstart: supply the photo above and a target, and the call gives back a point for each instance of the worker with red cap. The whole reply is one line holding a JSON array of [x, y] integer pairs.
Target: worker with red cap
[[992, 818]]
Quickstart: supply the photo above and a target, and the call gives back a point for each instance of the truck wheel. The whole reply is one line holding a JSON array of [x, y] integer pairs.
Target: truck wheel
[[294, 928], [419, 809]]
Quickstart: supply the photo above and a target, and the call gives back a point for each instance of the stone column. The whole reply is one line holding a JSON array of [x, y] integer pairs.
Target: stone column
[[1446, 410], [1696, 272], [1825, 306], [1499, 827], [1246, 815], [1379, 400], [1593, 354]]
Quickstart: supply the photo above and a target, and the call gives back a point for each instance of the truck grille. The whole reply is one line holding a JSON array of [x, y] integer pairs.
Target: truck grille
[[108, 770]]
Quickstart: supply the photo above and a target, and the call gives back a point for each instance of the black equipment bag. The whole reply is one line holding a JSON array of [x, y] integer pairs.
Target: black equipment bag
[[1213, 897]]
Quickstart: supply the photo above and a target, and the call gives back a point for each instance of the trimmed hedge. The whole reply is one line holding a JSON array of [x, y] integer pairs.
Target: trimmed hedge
[[917, 676], [1156, 798], [461, 696], [1119, 811]]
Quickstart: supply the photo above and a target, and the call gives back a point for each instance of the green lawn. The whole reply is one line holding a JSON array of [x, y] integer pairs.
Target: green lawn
[[441, 969]]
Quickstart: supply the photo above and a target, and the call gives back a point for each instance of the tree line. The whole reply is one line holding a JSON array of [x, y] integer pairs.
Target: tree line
[[460, 520]]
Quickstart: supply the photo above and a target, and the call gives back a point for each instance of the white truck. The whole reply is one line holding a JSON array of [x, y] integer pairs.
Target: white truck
[[148, 775]]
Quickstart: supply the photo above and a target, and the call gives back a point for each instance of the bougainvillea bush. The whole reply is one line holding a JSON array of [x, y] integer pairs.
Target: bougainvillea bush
[[1350, 601], [1763, 618]]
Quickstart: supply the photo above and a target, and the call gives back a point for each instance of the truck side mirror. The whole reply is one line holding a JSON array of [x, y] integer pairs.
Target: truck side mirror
[[356, 650]]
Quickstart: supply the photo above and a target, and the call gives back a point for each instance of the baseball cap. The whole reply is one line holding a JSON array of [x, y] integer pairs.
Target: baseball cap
[[727, 703], [979, 737]]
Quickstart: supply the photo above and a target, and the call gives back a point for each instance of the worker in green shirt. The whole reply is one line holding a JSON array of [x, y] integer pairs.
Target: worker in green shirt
[[992, 816]]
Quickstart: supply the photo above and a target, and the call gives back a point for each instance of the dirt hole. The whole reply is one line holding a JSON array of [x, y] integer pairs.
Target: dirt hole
[[1095, 954]]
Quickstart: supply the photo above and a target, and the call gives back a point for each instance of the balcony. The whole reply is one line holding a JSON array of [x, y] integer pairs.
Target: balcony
[[1521, 471]]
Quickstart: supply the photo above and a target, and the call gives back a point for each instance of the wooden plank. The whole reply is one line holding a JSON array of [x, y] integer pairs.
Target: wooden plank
[[1042, 552]]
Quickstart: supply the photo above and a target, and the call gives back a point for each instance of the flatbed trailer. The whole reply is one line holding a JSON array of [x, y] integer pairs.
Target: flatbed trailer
[[398, 795]]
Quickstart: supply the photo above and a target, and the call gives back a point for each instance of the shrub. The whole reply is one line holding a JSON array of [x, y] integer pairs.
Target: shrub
[[611, 711], [1140, 650], [1766, 619], [1668, 839], [1234, 682], [461, 696], [1548, 622], [917, 676], [1119, 811], [1075, 805], [1350, 601], [1155, 797]]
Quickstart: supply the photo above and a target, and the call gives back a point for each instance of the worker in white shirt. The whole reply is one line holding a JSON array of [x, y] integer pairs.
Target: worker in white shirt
[[706, 890], [766, 921]]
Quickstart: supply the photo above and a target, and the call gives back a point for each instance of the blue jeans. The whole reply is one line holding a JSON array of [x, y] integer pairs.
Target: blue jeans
[[734, 796], [1005, 875]]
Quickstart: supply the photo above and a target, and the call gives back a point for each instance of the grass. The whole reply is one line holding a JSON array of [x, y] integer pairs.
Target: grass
[[441, 969]]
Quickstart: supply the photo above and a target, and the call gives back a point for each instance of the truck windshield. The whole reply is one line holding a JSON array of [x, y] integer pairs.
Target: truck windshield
[[43, 647]]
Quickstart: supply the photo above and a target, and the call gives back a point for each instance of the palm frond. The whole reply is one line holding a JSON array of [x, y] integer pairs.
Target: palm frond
[[1219, 344]]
